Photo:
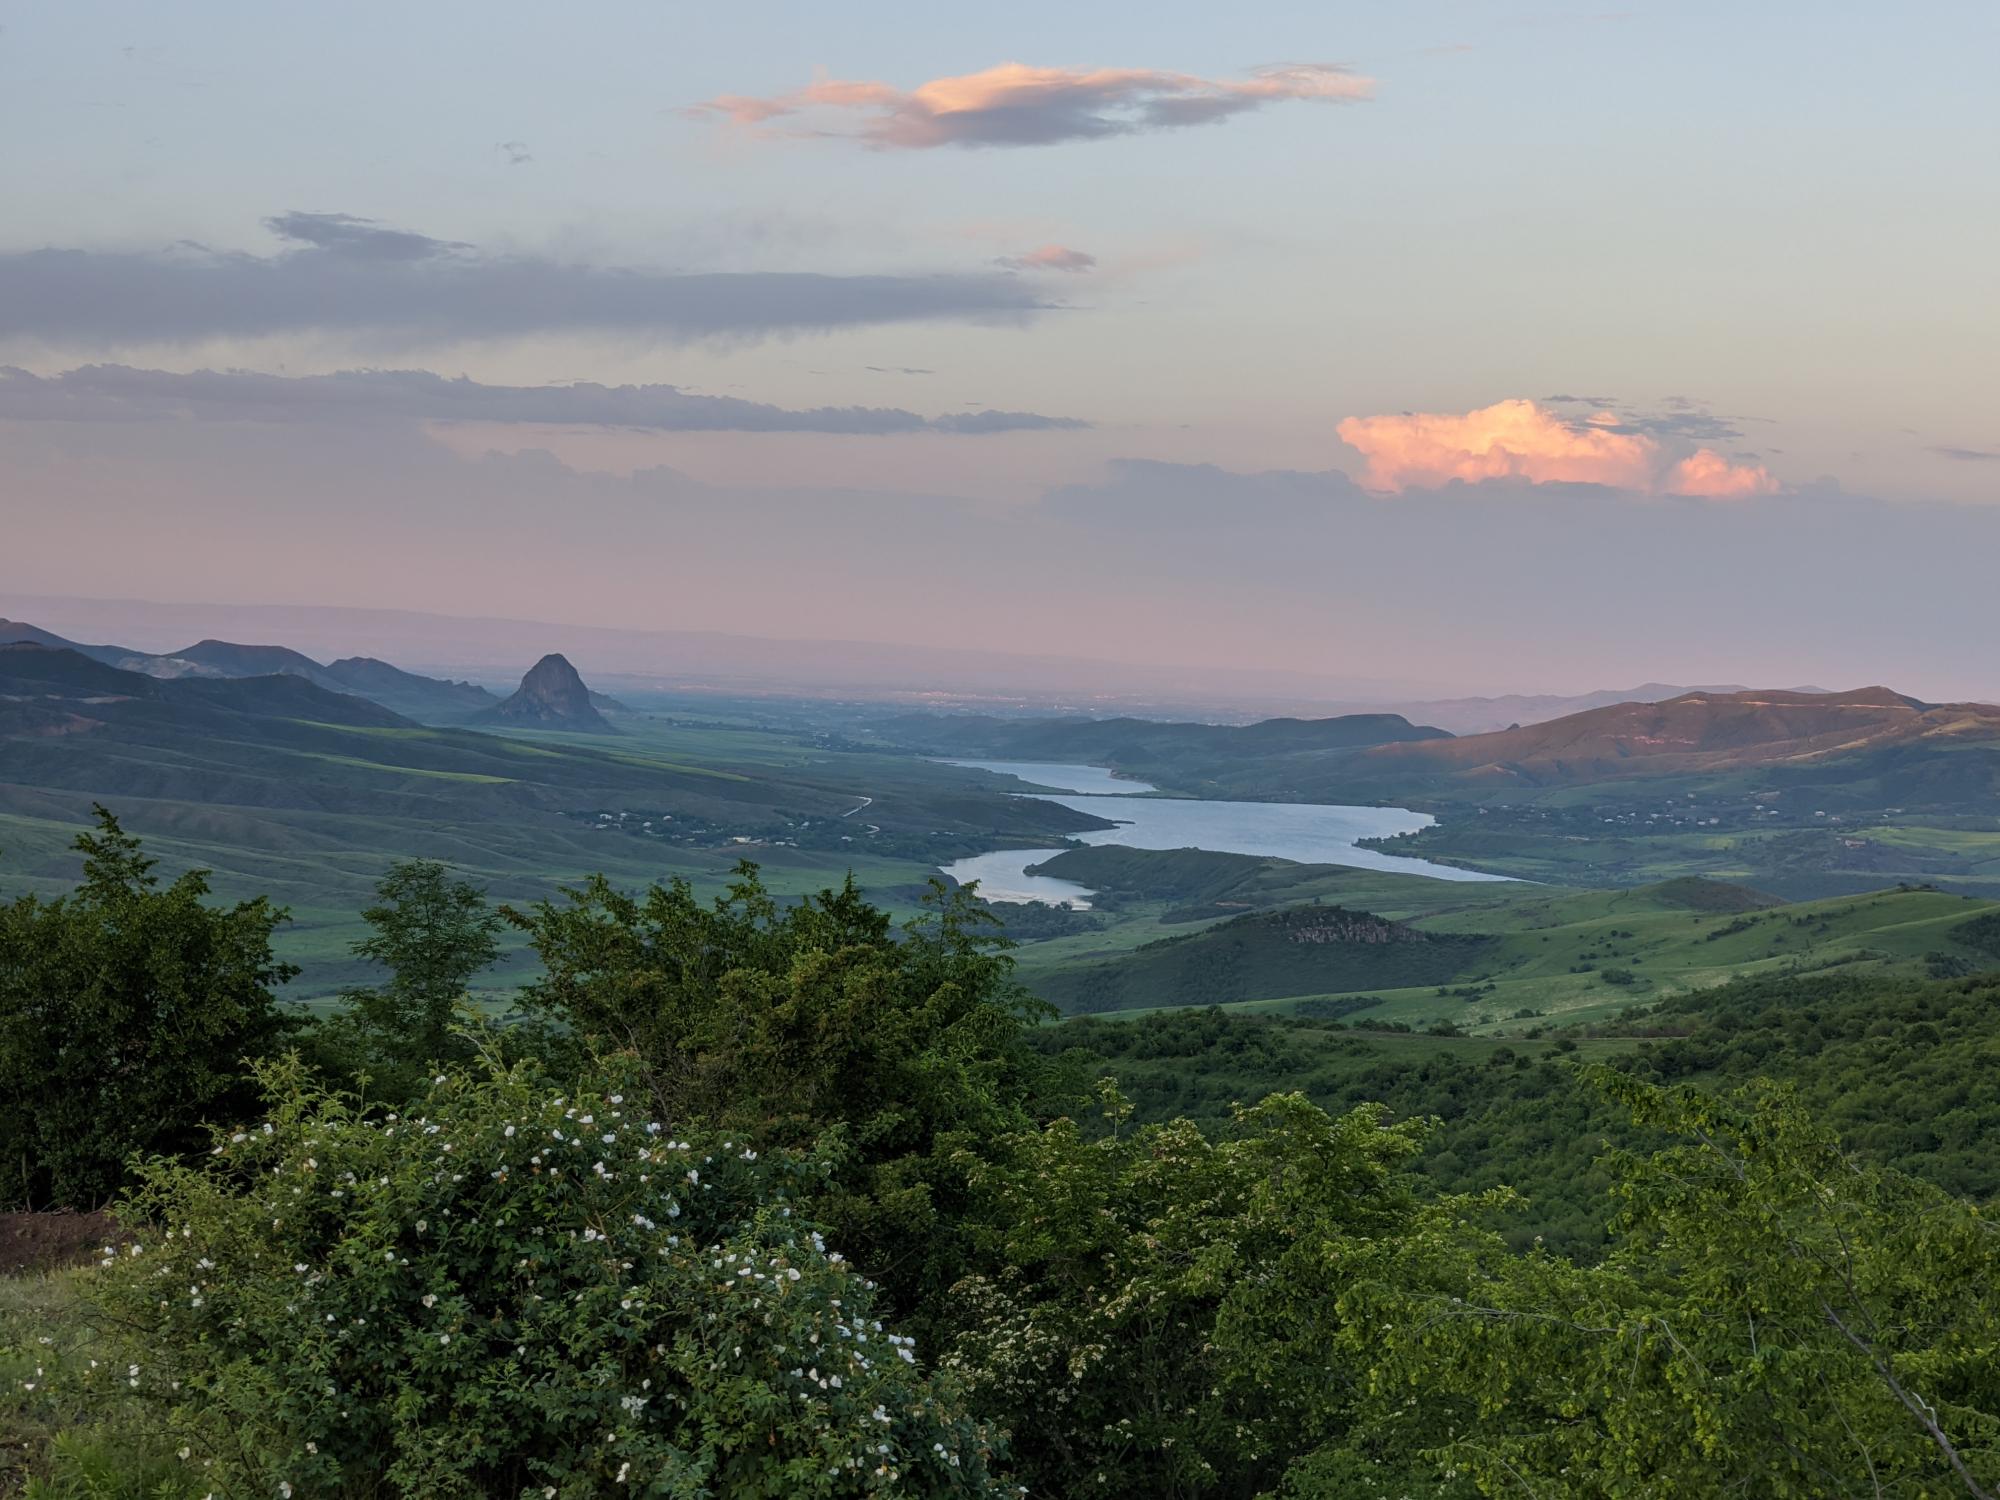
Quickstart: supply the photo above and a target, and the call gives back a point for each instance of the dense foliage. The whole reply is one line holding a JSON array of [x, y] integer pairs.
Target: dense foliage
[[791, 1201], [816, 1024], [126, 1010], [1162, 1313], [1773, 1320], [1901, 1069], [512, 1291], [432, 933], [1296, 951]]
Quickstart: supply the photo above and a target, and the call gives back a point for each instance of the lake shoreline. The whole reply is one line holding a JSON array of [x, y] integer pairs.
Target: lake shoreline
[[1304, 833]]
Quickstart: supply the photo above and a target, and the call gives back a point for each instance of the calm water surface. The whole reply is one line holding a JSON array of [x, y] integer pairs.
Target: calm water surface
[[1309, 832]]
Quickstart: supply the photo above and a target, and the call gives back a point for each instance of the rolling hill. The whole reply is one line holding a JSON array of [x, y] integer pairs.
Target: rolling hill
[[1698, 733], [428, 699], [285, 787], [1512, 710], [415, 696], [1561, 955], [20, 632], [1185, 757]]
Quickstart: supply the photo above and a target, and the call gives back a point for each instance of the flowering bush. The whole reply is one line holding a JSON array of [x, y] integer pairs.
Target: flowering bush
[[508, 1291]]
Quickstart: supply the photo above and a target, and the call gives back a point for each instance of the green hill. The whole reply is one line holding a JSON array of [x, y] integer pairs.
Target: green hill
[[1184, 757], [1300, 950], [1903, 1067], [1559, 955]]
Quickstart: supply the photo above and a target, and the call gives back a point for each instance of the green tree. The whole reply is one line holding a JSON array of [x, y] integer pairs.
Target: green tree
[[126, 1010], [819, 1023], [433, 932], [1774, 1319], [1166, 1315], [510, 1290]]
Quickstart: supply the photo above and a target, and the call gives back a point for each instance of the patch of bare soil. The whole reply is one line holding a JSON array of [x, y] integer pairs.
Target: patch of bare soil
[[48, 1241]]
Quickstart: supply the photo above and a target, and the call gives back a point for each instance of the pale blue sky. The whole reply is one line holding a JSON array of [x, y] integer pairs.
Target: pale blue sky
[[1784, 215]]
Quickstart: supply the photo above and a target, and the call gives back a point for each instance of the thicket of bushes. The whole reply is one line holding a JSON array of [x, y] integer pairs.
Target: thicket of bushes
[[753, 1200]]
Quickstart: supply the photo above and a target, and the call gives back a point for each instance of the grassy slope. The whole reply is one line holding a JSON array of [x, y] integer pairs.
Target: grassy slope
[[310, 813], [1551, 951]]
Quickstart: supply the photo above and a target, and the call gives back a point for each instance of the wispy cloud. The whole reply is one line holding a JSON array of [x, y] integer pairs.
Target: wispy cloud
[[1049, 258], [1017, 105], [119, 393], [1518, 439], [516, 152], [1677, 419], [1968, 455], [353, 239], [351, 275]]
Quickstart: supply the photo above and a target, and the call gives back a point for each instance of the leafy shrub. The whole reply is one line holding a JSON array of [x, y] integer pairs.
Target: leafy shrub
[[126, 1009], [1774, 1320], [1981, 934], [1161, 1321], [511, 1293], [819, 1023], [433, 933]]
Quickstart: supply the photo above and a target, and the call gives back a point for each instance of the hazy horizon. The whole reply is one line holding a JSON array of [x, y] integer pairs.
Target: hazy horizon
[[494, 650], [1420, 346]]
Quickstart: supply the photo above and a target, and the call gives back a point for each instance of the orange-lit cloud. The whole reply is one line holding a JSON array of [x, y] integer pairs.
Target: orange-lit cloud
[[1706, 472], [1017, 105], [1517, 439]]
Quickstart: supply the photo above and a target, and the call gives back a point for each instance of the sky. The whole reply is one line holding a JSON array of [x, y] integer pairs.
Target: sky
[[1461, 345]]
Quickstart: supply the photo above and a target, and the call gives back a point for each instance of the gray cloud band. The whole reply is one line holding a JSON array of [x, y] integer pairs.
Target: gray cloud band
[[119, 393], [344, 274]]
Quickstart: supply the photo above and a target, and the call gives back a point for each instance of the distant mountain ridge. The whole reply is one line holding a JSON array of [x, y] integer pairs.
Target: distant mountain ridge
[[1700, 732], [1118, 741], [35, 677], [1184, 756], [407, 693], [1475, 715]]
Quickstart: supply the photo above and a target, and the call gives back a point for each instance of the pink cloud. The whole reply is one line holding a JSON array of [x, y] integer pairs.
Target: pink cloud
[[1517, 439], [1017, 105], [1049, 258], [1706, 472]]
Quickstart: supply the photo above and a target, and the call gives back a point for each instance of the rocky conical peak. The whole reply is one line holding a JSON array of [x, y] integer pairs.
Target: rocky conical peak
[[551, 696]]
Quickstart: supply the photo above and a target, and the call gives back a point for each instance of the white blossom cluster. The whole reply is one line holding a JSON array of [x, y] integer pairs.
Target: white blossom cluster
[[381, 1236]]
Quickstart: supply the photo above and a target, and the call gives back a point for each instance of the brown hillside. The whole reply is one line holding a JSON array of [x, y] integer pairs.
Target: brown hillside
[[1697, 732]]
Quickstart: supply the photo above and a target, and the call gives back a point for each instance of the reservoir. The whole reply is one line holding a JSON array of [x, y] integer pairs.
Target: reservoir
[[1310, 832]]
